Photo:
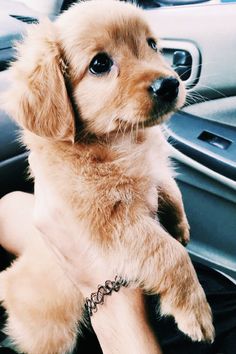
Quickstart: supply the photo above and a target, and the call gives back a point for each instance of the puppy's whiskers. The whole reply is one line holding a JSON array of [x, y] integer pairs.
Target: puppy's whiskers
[[194, 97], [214, 90]]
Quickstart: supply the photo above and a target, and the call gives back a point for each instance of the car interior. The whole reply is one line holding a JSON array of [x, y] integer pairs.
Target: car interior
[[198, 38]]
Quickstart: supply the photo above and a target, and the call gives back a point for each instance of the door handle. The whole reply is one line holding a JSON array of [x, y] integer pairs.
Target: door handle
[[185, 58], [182, 64]]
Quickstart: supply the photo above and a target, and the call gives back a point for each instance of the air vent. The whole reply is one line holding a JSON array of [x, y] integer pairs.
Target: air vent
[[25, 19]]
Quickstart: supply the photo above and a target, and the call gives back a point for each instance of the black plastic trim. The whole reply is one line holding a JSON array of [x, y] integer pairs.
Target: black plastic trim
[[10, 145], [184, 130], [6, 57], [14, 175], [26, 19]]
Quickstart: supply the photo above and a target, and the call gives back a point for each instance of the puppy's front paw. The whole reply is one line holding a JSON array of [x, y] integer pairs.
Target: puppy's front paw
[[186, 301], [192, 313], [198, 323]]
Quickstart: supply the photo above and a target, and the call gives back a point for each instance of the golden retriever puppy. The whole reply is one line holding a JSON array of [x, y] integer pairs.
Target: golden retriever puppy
[[90, 91]]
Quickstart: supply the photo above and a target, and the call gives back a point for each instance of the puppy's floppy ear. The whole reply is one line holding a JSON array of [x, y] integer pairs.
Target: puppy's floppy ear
[[37, 98]]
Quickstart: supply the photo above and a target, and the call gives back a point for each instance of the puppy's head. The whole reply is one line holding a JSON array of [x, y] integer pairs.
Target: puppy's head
[[117, 75]]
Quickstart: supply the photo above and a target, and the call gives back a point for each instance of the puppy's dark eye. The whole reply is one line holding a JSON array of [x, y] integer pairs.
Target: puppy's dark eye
[[152, 44], [100, 64]]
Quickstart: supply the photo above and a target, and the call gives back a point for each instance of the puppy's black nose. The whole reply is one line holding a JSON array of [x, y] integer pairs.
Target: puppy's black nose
[[166, 89]]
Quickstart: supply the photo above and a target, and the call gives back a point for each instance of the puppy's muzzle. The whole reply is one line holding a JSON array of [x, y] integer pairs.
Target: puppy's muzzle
[[164, 89]]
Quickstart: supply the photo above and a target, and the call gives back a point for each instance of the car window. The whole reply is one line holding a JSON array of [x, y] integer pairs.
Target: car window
[[46, 7]]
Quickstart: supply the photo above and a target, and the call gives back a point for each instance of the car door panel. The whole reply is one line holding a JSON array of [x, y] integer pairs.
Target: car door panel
[[210, 204], [222, 110], [204, 135], [206, 141]]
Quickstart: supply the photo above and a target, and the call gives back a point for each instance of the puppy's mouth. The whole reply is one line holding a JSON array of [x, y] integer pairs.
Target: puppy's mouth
[[160, 113]]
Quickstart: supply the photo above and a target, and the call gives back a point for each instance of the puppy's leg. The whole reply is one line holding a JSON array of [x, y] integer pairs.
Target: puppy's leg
[[42, 304], [162, 266], [171, 211]]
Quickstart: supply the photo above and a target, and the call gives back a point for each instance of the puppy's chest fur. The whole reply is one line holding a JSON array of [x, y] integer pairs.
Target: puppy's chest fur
[[108, 185]]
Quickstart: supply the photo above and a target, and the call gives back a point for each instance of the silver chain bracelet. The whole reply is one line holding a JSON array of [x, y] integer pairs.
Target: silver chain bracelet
[[97, 298]]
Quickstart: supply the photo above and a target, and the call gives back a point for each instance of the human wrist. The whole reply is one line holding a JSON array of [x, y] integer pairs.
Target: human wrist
[[118, 308], [121, 324], [122, 298]]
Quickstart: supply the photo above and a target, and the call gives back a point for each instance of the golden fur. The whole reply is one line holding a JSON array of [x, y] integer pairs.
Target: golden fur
[[111, 180]]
